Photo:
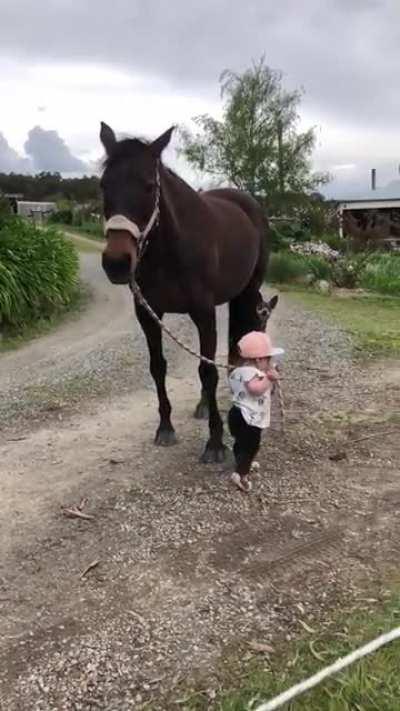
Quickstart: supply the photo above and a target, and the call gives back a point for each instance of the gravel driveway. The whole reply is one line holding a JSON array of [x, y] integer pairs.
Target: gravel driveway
[[186, 568]]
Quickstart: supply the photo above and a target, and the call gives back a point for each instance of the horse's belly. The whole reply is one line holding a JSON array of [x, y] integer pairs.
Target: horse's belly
[[234, 275]]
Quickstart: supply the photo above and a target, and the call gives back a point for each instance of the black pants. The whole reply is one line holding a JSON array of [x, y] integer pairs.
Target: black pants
[[247, 440]]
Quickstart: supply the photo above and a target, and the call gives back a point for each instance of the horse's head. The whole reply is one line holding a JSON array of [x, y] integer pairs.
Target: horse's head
[[264, 311], [130, 186]]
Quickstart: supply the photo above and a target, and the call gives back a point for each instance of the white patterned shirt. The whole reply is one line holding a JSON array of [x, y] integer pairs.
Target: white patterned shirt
[[255, 409]]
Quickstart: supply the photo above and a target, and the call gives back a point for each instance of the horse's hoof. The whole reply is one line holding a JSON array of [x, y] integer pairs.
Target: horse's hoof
[[201, 411], [214, 455], [165, 438]]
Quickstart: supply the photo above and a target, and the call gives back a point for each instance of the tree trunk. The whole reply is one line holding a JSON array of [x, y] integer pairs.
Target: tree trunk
[[281, 176]]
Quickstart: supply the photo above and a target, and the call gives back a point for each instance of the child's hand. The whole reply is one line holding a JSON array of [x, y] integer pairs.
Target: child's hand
[[273, 375]]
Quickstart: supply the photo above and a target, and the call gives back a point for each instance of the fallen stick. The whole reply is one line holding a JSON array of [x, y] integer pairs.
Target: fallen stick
[[89, 568], [340, 454], [75, 512], [370, 436]]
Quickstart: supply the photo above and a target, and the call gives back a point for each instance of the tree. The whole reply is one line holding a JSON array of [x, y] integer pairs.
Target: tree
[[256, 146]]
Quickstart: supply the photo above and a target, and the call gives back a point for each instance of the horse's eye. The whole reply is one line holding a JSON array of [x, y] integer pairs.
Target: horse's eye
[[149, 186]]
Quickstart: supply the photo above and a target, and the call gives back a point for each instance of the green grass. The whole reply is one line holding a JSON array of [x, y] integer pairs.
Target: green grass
[[91, 230], [372, 320], [82, 243], [382, 274], [371, 684]]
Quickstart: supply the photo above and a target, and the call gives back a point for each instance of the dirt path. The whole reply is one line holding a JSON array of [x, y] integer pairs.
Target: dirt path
[[187, 567]]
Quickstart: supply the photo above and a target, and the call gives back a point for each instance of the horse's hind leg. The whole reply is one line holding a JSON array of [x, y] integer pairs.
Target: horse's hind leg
[[165, 435], [243, 317]]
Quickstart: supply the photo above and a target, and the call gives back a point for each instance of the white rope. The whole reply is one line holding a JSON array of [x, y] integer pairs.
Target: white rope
[[332, 669]]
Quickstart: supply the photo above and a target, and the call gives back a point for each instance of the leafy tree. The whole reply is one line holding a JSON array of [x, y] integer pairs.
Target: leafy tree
[[256, 146]]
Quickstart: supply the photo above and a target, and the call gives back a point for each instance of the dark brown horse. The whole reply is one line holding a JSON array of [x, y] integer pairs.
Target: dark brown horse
[[188, 252]]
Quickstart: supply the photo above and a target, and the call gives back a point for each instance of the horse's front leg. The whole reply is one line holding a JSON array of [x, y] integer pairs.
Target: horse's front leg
[[165, 435], [206, 325]]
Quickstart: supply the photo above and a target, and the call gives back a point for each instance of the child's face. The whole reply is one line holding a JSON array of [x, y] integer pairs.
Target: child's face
[[263, 363]]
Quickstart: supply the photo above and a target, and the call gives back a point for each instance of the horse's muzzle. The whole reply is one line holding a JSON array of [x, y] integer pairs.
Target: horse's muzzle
[[118, 269]]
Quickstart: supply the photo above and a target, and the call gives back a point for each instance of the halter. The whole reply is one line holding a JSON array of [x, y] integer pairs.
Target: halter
[[120, 222]]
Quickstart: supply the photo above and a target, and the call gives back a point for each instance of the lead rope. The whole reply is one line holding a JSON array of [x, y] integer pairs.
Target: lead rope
[[222, 366]]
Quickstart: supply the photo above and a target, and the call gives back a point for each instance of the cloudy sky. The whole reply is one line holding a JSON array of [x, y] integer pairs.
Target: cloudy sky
[[141, 65]]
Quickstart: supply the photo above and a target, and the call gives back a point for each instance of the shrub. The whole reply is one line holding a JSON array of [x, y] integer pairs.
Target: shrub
[[285, 267], [38, 273], [382, 273], [335, 241], [319, 267], [95, 229], [63, 216], [284, 234]]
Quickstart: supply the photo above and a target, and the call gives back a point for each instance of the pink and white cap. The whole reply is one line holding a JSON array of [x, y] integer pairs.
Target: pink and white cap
[[257, 344]]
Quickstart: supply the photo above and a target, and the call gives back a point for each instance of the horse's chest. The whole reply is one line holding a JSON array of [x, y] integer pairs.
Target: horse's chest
[[164, 292]]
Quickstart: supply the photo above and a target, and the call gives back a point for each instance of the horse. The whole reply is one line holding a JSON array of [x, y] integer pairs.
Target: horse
[[188, 252]]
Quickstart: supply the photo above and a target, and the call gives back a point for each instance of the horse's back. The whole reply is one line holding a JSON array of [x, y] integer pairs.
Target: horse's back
[[240, 199]]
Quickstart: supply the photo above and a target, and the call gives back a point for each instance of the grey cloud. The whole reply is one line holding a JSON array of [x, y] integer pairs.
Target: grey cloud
[[344, 52], [50, 153], [10, 160]]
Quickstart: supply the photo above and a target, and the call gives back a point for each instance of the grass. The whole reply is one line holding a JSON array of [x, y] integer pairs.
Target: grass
[[371, 684], [372, 320], [382, 274], [91, 230], [82, 243]]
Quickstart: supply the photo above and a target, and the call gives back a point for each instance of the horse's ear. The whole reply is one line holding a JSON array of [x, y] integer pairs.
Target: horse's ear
[[107, 137], [273, 302], [160, 144]]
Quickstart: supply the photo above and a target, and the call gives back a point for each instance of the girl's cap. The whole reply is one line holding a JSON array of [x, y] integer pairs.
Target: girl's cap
[[257, 344]]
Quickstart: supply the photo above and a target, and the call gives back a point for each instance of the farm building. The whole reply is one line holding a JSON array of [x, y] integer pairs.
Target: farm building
[[37, 211], [12, 199], [374, 214]]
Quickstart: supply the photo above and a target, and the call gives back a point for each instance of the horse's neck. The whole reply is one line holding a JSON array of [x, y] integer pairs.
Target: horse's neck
[[179, 202]]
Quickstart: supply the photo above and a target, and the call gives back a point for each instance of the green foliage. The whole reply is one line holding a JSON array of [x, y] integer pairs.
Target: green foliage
[[285, 268], [283, 234], [5, 208], [288, 268], [371, 271], [91, 229], [38, 274], [382, 273], [63, 216], [51, 186], [81, 218], [334, 241], [257, 145]]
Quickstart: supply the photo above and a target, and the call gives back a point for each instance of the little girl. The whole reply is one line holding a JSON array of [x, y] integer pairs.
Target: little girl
[[251, 384]]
